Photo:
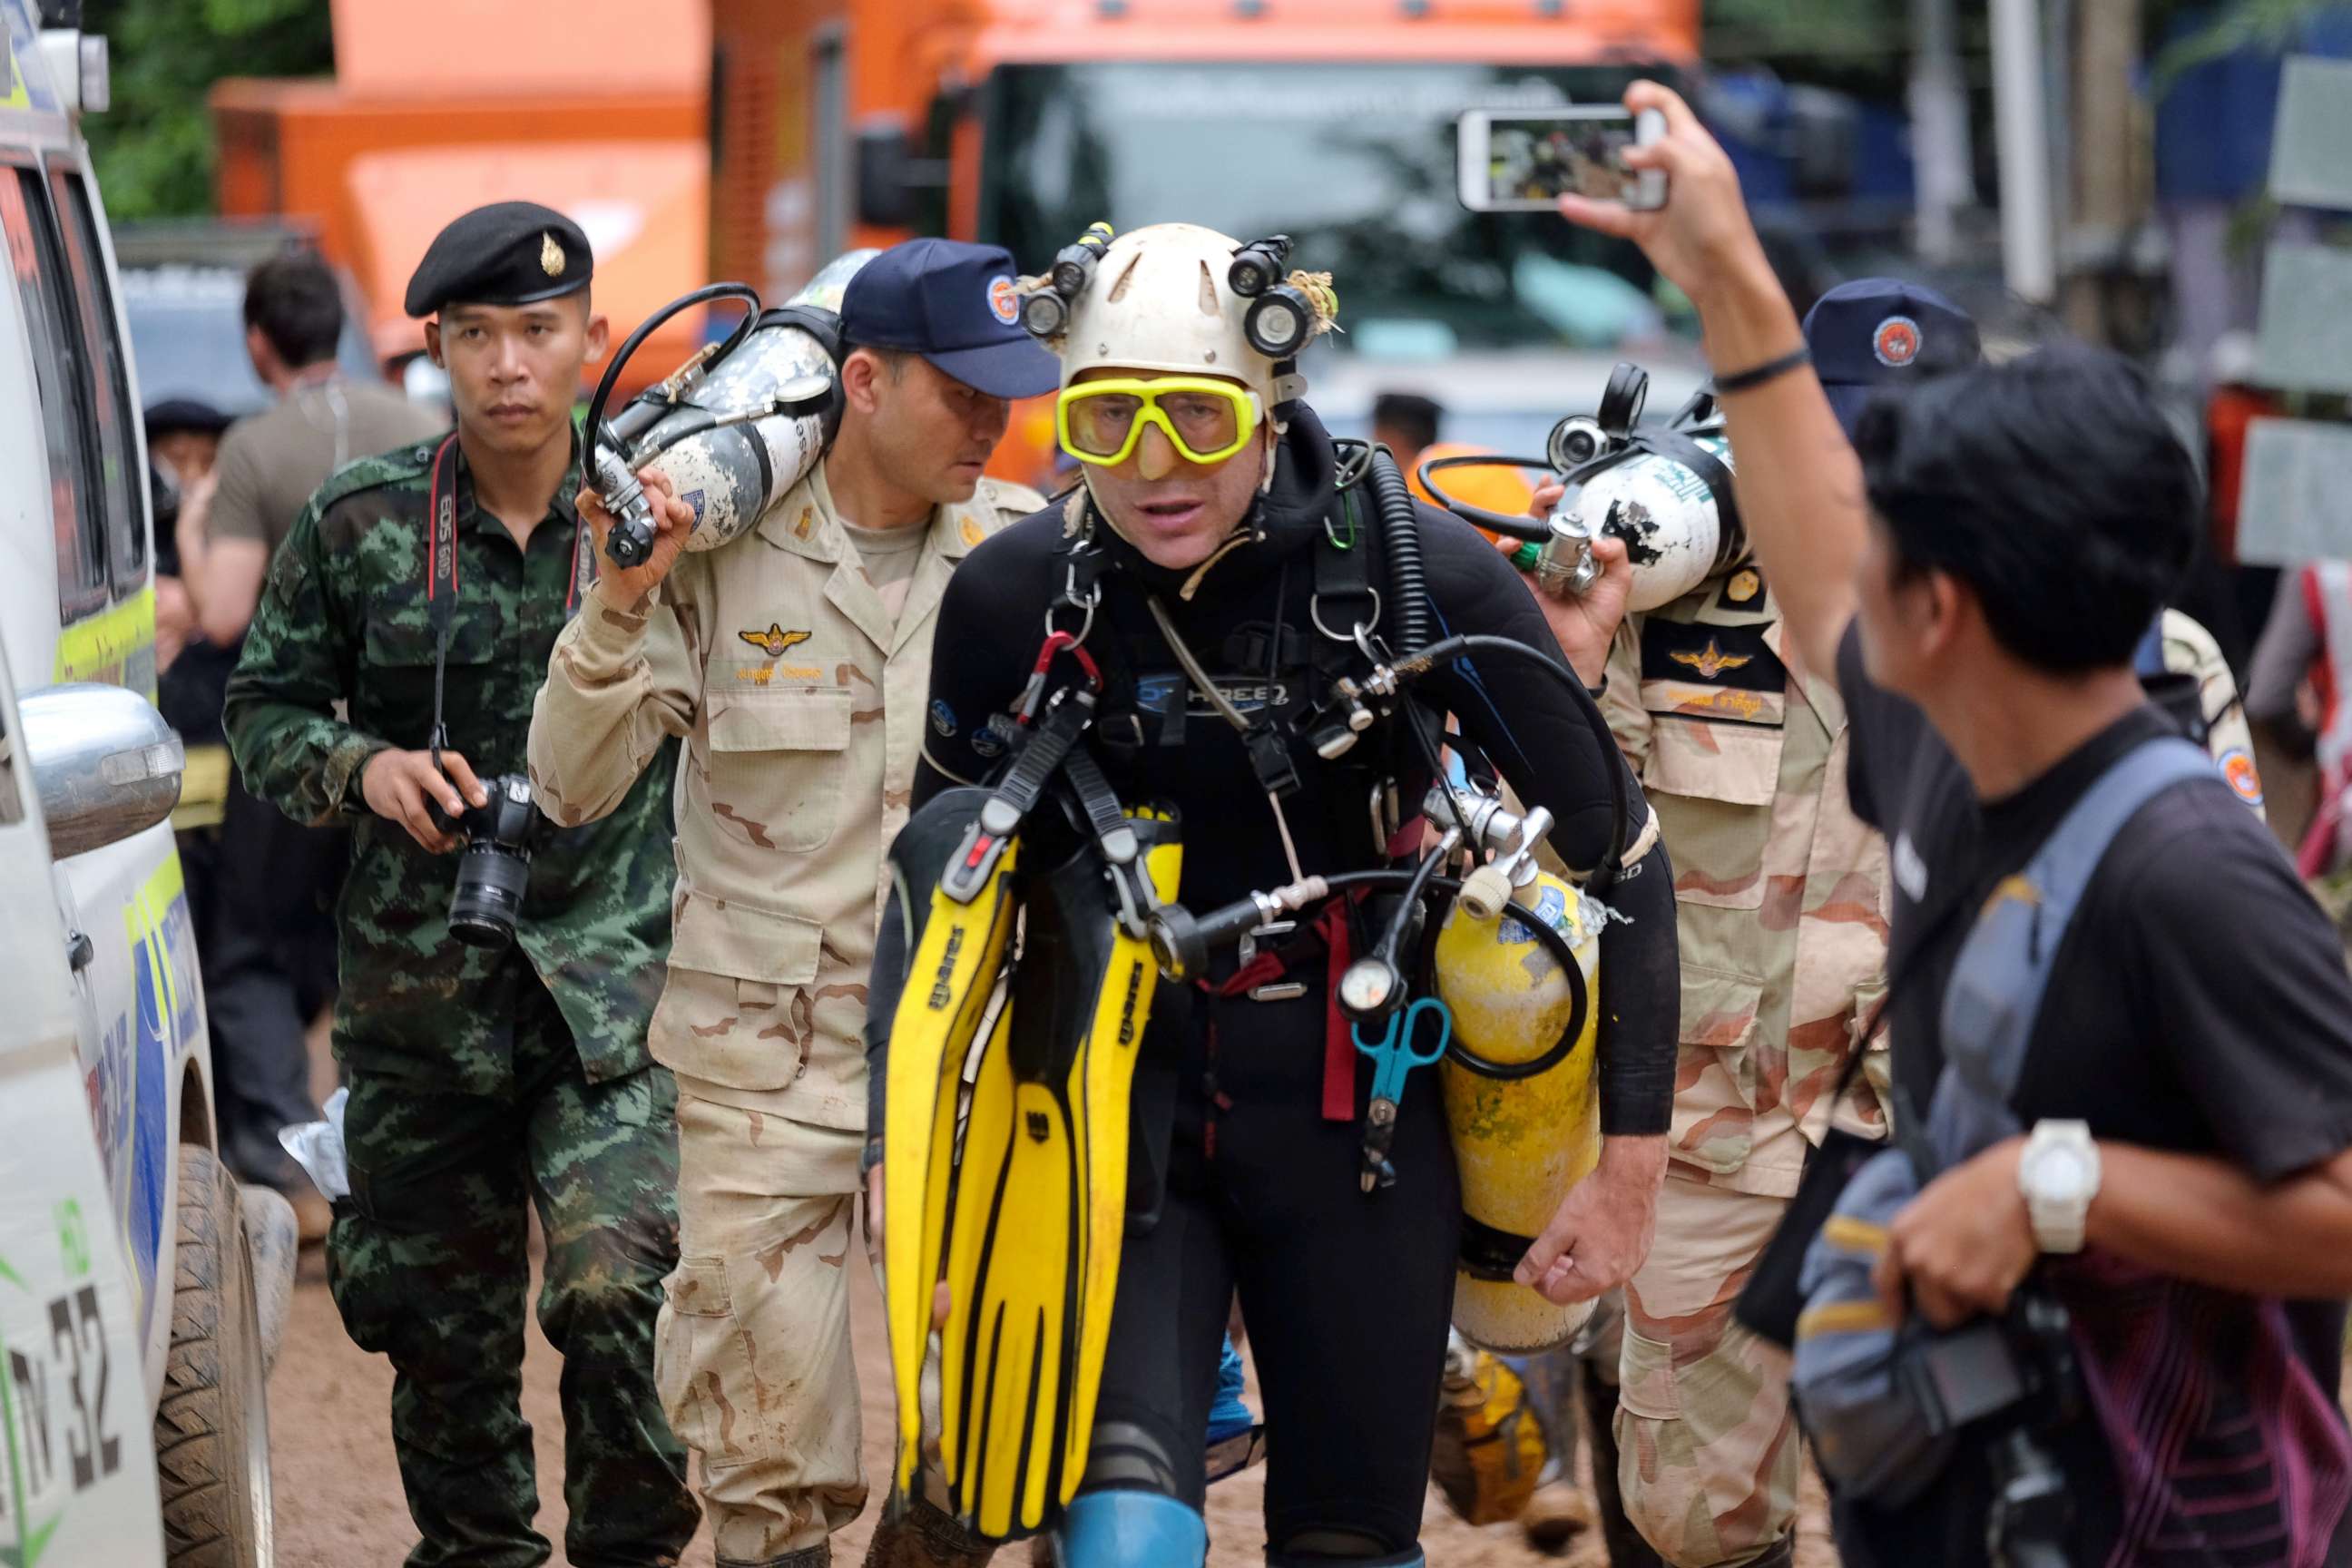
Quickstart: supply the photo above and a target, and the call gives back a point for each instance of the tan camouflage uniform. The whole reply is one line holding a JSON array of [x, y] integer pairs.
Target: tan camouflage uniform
[[1781, 898], [801, 701]]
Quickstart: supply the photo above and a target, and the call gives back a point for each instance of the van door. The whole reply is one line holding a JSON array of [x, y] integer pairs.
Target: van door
[[77, 1466], [128, 897]]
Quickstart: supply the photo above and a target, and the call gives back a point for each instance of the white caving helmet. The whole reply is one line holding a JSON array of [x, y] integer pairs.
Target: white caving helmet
[[1162, 299]]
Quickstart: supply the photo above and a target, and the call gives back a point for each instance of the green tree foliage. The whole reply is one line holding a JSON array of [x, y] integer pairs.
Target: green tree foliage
[[154, 147]]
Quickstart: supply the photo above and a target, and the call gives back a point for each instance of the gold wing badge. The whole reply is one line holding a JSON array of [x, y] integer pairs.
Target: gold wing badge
[[775, 639], [1713, 661]]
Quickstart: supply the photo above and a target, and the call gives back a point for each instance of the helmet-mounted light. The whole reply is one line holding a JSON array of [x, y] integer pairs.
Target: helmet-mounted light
[[1257, 266], [1279, 322]]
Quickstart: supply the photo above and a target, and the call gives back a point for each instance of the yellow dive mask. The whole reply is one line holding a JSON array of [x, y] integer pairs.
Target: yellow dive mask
[[1206, 419]]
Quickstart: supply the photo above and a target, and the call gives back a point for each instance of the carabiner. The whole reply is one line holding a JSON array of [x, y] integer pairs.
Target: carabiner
[[1083, 603], [1057, 642]]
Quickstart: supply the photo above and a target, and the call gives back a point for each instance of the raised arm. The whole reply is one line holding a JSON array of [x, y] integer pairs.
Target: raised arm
[[1798, 482]]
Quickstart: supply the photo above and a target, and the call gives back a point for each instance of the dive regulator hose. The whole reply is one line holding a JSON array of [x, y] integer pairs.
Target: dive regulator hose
[[623, 545], [1401, 532], [1408, 585], [1180, 943]]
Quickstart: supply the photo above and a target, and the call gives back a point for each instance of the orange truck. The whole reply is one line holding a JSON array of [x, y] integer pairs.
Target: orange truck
[[597, 108], [844, 123]]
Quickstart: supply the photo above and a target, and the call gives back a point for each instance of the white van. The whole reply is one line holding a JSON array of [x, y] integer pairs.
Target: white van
[[138, 1398]]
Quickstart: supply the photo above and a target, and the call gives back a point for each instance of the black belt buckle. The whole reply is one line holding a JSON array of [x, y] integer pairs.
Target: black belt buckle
[[1270, 759]]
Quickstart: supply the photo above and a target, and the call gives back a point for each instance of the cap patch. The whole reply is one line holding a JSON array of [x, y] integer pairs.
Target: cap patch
[[2239, 769], [1896, 342], [550, 255], [1004, 300]]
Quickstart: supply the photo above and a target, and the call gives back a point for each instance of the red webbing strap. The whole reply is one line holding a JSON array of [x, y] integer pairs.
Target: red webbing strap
[[1338, 1045]]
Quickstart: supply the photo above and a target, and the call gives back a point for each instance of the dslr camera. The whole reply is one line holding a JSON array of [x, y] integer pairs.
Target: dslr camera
[[2018, 1374], [494, 868]]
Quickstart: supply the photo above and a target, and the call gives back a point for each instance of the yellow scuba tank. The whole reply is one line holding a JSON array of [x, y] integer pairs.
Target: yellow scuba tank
[[1520, 1141], [1491, 1448]]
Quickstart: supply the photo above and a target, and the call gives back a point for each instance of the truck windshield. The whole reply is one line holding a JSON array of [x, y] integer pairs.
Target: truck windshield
[[1355, 163]]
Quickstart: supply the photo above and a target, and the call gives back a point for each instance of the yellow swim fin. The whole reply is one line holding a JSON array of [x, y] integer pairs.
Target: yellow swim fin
[[1040, 1207], [957, 954]]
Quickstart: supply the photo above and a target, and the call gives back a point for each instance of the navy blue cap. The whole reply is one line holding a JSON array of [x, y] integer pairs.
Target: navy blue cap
[[1879, 331], [957, 305]]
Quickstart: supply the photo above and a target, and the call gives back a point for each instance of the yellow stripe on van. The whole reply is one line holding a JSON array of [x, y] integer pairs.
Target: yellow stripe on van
[[142, 920], [97, 646], [164, 883]]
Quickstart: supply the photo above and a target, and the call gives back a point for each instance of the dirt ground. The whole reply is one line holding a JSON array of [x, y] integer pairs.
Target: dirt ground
[[339, 1503], [338, 1487]]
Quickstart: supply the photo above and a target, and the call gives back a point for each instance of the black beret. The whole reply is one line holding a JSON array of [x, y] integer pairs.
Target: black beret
[[508, 253]]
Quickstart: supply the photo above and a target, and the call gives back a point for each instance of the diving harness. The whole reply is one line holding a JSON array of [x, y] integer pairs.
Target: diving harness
[[1474, 826]]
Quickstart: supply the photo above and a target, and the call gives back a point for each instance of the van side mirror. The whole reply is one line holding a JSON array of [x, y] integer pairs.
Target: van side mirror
[[890, 180], [103, 761]]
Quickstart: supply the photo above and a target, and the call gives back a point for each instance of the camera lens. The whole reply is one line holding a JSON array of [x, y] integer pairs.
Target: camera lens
[[488, 895], [495, 868]]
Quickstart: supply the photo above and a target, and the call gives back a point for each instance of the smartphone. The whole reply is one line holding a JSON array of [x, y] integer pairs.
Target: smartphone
[[1520, 161]]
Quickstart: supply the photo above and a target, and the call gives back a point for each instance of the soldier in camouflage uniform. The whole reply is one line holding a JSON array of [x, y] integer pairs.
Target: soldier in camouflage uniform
[[795, 662], [482, 1079], [1781, 894]]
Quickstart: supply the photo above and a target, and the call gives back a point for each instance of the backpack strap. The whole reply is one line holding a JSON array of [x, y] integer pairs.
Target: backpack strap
[[1996, 988]]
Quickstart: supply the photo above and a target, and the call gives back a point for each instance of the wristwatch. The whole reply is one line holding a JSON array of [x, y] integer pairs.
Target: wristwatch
[[2059, 1175]]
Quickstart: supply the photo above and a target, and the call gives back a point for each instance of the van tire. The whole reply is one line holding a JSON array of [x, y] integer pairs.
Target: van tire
[[212, 1424]]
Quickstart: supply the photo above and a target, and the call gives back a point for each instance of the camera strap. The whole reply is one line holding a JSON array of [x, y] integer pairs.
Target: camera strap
[[441, 580]]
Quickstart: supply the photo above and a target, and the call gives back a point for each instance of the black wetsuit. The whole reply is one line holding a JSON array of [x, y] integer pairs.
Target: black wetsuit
[[1242, 1184]]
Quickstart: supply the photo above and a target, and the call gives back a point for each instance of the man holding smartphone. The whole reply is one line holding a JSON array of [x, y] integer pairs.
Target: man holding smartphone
[[1975, 572]]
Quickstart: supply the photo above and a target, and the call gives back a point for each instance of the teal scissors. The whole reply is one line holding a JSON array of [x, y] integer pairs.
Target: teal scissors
[[1396, 1057]]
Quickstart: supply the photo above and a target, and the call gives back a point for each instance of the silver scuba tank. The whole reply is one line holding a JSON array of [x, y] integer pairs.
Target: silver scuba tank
[[736, 426], [1665, 489], [1657, 491]]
